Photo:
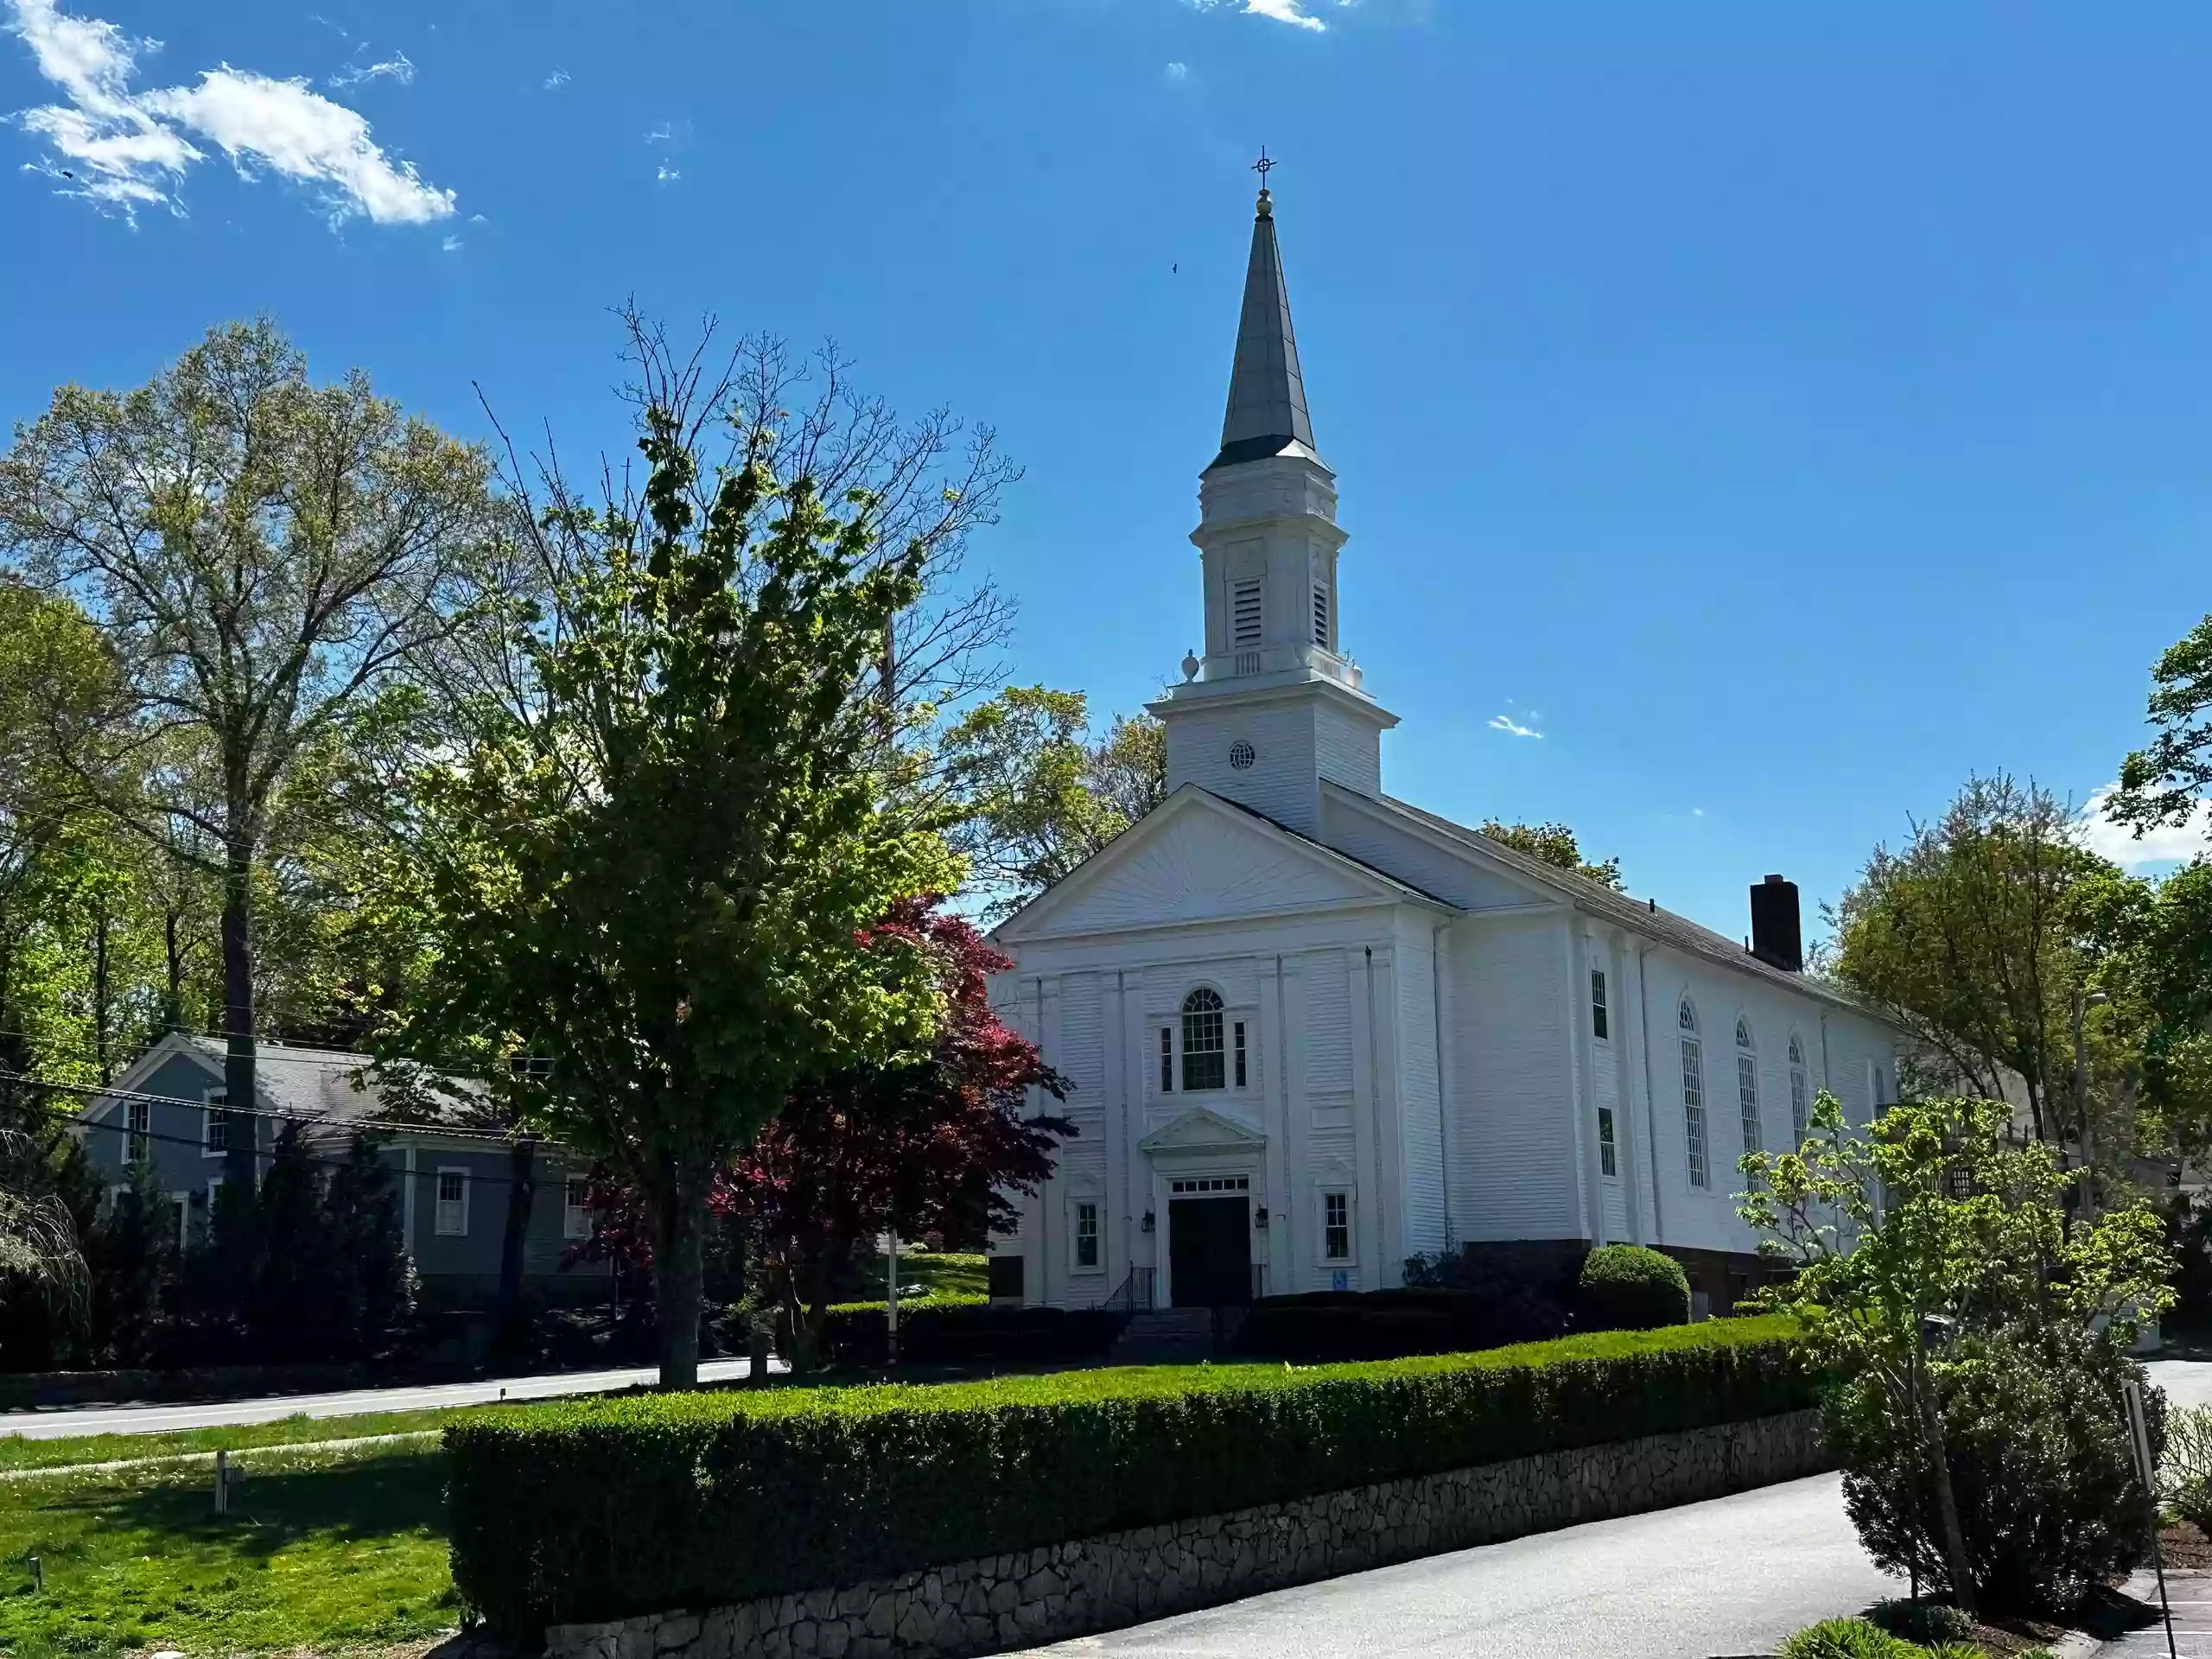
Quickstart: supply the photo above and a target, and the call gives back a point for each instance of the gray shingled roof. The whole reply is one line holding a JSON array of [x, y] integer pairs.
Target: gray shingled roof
[[1267, 393], [317, 1084], [1641, 916]]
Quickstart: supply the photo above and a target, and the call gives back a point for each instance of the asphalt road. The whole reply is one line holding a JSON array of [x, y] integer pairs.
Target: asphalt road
[[64, 1422], [1729, 1577]]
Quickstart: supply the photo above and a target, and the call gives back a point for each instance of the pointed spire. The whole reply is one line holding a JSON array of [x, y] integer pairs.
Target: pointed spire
[[1266, 394]]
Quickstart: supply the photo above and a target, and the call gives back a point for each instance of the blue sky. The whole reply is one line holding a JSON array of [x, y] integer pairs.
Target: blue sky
[[1783, 413]]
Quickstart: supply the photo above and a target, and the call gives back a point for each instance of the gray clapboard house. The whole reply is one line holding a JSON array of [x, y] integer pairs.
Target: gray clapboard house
[[170, 1111]]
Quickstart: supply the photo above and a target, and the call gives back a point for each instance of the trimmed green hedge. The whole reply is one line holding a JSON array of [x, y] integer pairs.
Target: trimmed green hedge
[[591, 1510], [1318, 1326], [959, 1332]]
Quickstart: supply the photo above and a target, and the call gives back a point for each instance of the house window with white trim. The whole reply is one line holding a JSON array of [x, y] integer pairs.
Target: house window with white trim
[[452, 1220], [1166, 1060], [1608, 1155], [1086, 1236], [1239, 1046], [576, 1208], [1600, 1025], [217, 1125], [1800, 1107], [1693, 1092], [1204, 1059], [138, 1128], [1336, 1225], [1747, 1088]]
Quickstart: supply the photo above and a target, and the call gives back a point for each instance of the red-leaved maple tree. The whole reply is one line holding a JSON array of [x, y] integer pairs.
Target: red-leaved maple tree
[[942, 1147]]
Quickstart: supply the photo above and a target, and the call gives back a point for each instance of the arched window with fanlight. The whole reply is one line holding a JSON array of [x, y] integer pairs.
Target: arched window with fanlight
[[1747, 1087], [1800, 1111], [1204, 1054], [1692, 1090]]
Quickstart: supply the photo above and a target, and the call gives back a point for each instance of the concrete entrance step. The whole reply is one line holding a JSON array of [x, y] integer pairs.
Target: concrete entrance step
[[1168, 1335]]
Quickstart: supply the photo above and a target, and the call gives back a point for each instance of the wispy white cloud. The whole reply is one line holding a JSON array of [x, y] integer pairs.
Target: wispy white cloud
[[125, 149], [2169, 843], [451, 244], [1513, 727], [1178, 71], [666, 175], [396, 68], [1293, 12], [556, 81]]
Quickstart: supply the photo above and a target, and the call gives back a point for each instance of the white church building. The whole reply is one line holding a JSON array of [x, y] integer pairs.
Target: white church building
[[1314, 1030]]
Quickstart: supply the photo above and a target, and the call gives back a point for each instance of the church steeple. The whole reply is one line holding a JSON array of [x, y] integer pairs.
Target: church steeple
[[1266, 394], [1270, 708]]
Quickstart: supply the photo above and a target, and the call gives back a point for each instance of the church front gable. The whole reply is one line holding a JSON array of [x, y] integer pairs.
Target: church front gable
[[1198, 860]]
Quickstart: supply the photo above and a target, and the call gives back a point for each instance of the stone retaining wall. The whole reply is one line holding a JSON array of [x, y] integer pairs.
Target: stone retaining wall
[[1073, 1589]]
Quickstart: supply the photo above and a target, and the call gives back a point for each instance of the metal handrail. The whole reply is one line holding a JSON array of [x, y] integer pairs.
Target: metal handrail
[[1134, 1295]]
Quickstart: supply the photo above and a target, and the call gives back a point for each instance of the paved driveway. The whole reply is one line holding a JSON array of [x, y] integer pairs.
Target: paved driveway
[[1732, 1576], [62, 1423]]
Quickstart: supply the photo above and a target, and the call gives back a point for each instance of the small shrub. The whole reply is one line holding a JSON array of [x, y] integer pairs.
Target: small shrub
[[1848, 1639], [2186, 1471], [1629, 1287], [2038, 1452], [1929, 1623]]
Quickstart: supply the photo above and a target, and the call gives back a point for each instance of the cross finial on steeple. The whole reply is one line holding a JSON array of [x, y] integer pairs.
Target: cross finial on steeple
[[1263, 166]]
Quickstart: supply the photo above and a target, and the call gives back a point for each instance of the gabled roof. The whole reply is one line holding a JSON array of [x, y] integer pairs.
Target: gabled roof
[[1199, 1128], [1267, 392], [1634, 915], [317, 1085], [1348, 878]]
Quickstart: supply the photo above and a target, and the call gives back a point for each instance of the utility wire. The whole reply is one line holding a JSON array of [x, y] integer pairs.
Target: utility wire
[[394, 1124]]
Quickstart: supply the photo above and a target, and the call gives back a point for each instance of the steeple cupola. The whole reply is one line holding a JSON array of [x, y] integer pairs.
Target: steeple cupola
[[1271, 706]]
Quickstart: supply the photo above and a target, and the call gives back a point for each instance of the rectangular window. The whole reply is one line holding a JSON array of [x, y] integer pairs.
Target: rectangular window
[[1166, 1061], [1747, 1102], [1321, 617], [1336, 1226], [1240, 1053], [1608, 1157], [1598, 1027], [217, 1126], [1086, 1235], [1203, 1060], [1799, 1113], [138, 1123], [1694, 1107], [575, 1209], [452, 1204], [1244, 615]]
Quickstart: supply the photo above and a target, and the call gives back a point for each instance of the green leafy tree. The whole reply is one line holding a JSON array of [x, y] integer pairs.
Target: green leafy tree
[[1555, 844], [653, 865], [1932, 1258], [1979, 935], [260, 555], [2167, 782], [1034, 794]]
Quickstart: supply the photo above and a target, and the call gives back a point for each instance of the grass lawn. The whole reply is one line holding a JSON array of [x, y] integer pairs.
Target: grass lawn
[[944, 1273], [18, 1454], [325, 1551]]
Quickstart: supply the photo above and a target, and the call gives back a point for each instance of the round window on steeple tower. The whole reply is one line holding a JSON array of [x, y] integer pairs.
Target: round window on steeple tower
[[1242, 755]]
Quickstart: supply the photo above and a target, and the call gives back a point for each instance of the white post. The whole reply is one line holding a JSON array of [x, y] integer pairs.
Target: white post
[[891, 1300]]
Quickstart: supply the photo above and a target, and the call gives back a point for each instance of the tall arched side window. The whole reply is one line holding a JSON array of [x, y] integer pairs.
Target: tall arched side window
[[1747, 1087], [1692, 1090], [1203, 1053], [1801, 1109]]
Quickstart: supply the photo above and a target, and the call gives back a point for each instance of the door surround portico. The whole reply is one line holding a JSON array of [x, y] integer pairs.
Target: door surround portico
[[1200, 1144]]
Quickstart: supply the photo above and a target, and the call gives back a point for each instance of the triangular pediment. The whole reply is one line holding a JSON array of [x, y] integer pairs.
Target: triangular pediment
[[1200, 1129], [1199, 859]]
